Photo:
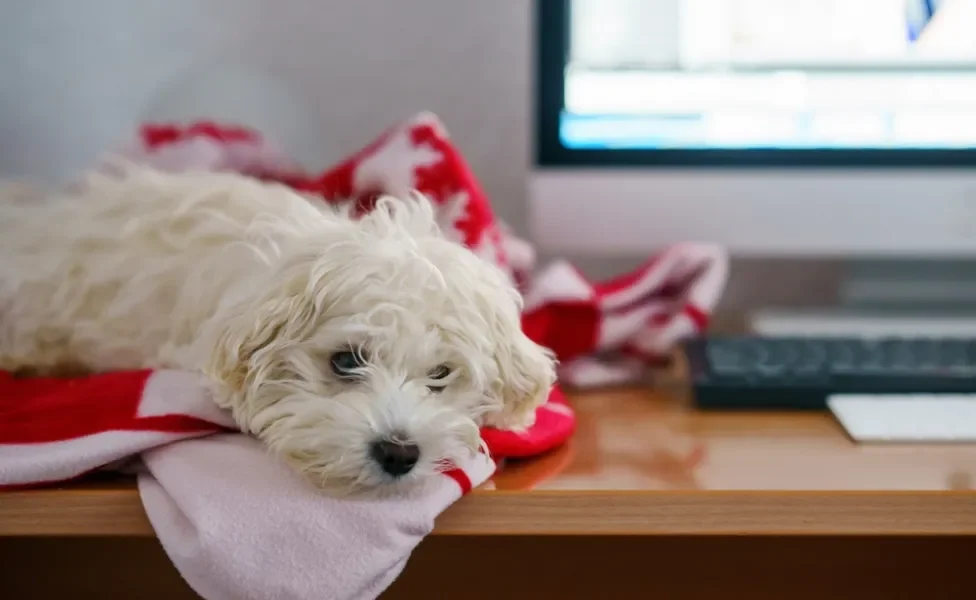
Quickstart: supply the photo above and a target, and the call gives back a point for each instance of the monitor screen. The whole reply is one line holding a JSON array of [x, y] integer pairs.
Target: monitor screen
[[733, 75]]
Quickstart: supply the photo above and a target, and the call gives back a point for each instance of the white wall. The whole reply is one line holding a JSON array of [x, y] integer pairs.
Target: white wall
[[78, 74]]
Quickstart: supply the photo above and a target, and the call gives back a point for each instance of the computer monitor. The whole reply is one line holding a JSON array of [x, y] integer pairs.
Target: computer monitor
[[773, 127]]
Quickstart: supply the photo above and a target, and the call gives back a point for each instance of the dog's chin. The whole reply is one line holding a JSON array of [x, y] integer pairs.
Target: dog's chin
[[365, 481], [343, 471]]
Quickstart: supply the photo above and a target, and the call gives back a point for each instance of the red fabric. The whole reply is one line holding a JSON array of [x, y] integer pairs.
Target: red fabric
[[633, 319], [415, 156], [42, 410], [555, 422]]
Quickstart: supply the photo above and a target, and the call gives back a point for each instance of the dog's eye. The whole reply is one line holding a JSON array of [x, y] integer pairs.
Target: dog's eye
[[346, 363], [437, 373]]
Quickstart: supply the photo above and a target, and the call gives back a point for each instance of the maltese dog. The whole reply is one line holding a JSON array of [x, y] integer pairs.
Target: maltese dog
[[364, 351]]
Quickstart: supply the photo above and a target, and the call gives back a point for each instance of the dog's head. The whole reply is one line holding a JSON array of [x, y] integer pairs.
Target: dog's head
[[376, 351]]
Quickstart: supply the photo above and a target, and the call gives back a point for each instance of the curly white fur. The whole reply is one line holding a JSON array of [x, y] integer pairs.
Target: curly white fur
[[258, 286]]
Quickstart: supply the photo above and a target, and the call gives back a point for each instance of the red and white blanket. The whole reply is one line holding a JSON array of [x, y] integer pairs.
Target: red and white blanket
[[606, 332], [215, 499]]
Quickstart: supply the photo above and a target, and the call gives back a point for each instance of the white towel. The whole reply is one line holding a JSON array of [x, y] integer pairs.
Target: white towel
[[240, 526]]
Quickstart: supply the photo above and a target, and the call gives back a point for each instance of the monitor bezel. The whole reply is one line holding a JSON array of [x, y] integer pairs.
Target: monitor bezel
[[552, 45]]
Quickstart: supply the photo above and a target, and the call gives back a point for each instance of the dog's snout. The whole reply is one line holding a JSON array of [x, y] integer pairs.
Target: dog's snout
[[395, 458]]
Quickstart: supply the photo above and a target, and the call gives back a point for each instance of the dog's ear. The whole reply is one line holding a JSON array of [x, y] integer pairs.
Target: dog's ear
[[527, 372], [251, 331], [523, 372]]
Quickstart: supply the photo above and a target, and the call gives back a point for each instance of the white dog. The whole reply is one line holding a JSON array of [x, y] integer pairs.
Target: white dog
[[364, 351]]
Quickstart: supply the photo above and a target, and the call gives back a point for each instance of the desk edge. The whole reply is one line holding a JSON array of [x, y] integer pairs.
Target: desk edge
[[119, 513]]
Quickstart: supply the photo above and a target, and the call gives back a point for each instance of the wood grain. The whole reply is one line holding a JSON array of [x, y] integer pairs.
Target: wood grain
[[119, 513]]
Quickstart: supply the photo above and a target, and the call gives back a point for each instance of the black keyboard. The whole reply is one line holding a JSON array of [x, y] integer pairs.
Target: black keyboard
[[799, 373]]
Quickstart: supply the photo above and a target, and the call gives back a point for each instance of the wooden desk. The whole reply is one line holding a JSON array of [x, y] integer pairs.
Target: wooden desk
[[649, 498]]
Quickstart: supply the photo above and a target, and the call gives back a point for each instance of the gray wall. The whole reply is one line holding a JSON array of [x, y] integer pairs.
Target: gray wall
[[78, 75]]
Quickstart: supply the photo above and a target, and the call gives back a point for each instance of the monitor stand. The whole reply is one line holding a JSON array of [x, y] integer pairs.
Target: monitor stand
[[888, 297]]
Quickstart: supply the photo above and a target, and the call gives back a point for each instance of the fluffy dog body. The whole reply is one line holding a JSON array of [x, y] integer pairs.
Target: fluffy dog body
[[337, 341]]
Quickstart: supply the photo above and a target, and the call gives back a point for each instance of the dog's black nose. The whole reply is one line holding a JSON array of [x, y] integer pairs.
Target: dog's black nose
[[395, 458]]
